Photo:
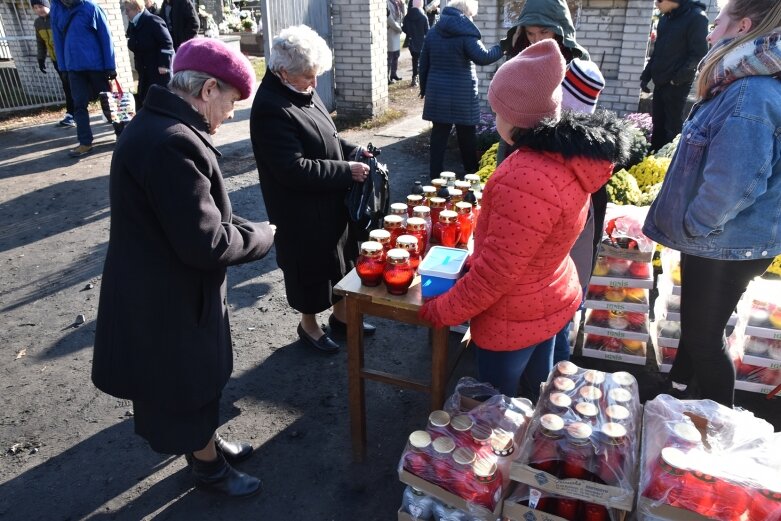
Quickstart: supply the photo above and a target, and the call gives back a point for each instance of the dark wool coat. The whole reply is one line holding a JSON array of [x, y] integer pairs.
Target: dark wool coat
[[680, 45], [522, 286], [304, 176], [152, 47], [184, 21], [162, 330], [448, 77], [415, 26]]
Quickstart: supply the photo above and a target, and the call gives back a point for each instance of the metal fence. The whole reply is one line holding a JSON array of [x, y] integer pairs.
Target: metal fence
[[22, 85]]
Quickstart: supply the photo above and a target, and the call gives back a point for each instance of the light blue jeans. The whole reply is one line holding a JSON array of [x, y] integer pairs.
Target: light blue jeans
[[527, 366]]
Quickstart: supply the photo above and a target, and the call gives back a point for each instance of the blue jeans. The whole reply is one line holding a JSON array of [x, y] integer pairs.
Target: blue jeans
[[85, 86], [561, 344], [528, 366]]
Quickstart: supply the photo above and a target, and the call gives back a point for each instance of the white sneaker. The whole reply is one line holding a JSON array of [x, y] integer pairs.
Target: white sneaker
[[67, 121]]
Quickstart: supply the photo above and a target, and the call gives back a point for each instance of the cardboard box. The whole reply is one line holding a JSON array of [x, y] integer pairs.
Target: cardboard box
[[762, 361], [647, 512], [633, 307], [607, 250], [609, 496], [403, 516], [621, 282], [449, 498], [754, 387], [616, 357], [512, 511], [764, 332]]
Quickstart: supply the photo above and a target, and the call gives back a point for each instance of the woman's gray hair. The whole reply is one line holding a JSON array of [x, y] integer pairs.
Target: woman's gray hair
[[191, 82], [300, 50], [468, 7]]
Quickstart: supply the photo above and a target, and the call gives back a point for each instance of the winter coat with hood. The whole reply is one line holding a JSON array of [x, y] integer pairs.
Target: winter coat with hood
[[82, 38], [680, 45], [553, 14], [395, 18], [415, 26], [152, 47], [448, 78], [163, 333], [522, 287]]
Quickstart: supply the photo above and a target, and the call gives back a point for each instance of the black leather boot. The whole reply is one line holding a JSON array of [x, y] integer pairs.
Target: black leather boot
[[218, 476], [234, 451]]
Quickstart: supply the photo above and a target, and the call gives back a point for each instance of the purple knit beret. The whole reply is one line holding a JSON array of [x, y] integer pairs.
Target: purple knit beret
[[213, 57]]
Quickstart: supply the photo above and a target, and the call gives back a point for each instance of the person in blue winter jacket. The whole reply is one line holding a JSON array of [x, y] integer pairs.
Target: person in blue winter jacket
[[448, 82], [83, 44]]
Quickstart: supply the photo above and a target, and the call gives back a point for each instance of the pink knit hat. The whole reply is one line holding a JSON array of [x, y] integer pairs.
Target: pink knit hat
[[527, 89], [215, 58]]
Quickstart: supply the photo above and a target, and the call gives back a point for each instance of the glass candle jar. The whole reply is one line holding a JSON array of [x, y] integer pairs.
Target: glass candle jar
[[568, 508], [442, 461], [666, 476], [398, 273], [487, 486], [447, 231], [462, 476], [558, 403], [394, 224], [594, 512], [383, 237], [465, 220], [455, 196], [618, 414], [370, 264], [620, 396], [438, 423], [413, 200], [417, 457], [474, 181], [577, 451], [399, 209], [545, 444], [587, 412], [416, 226], [469, 197], [464, 186], [684, 436], [429, 191], [764, 502], [410, 243], [565, 368], [449, 177], [481, 438], [564, 385], [594, 378], [437, 204], [441, 186], [624, 379], [613, 444], [461, 427]]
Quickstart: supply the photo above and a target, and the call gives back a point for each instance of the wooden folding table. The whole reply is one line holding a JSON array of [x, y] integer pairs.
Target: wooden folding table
[[360, 301]]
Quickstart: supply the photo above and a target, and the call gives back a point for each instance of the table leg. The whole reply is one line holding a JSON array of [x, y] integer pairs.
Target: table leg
[[439, 338], [355, 383]]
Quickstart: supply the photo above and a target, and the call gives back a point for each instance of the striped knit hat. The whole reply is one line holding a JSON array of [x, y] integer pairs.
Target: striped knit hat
[[581, 86]]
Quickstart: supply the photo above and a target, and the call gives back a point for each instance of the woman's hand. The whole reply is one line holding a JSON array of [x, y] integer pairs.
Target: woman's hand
[[428, 313], [359, 171]]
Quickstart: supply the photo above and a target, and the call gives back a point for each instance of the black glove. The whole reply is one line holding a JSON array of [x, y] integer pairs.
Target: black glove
[[111, 75], [42, 65], [506, 45], [644, 87]]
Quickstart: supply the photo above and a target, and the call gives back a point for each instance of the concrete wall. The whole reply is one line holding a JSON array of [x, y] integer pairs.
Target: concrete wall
[[360, 57]]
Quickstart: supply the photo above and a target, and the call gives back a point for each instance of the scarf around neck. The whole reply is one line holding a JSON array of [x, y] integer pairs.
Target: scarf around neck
[[758, 57]]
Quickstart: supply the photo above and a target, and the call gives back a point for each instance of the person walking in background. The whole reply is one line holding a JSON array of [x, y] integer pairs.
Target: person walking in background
[[149, 40], [151, 6], [395, 18], [305, 171], [181, 17], [415, 26], [680, 45], [163, 336], [448, 82], [719, 204], [45, 44], [82, 41], [522, 286]]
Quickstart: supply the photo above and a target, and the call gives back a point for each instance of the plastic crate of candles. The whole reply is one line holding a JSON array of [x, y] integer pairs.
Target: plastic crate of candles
[[754, 371], [701, 460], [463, 459], [616, 272], [616, 349], [583, 438], [617, 298], [618, 324], [671, 271]]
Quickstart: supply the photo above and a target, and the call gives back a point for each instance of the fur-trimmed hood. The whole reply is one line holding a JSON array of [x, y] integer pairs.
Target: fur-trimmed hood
[[586, 141]]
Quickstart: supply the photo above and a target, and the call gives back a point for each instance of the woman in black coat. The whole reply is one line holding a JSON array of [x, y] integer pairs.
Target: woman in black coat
[[153, 50], [163, 336], [305, 171]]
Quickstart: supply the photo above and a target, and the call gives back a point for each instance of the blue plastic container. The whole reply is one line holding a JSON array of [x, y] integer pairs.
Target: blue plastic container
[[440, 270]]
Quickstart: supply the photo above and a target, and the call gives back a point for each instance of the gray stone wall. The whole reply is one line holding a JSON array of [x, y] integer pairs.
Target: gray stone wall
[[360, 57]]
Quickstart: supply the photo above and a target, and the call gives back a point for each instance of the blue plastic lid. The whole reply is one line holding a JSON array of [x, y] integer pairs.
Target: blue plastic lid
[[443, 262]]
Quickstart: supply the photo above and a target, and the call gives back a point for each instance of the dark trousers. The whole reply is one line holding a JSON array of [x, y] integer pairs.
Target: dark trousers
[[393, 64], [467, 143], [506, 370], [667, 117], [66, 88], [146, 80], [710, 290], [85, 86], [415, 60]]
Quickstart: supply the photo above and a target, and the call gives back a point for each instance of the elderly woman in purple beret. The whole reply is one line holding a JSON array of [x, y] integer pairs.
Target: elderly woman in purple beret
[[163, 337]]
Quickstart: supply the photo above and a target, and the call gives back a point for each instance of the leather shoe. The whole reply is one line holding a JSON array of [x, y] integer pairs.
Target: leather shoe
[[323, 344], [234, 451], [338, 329], [218, 476]]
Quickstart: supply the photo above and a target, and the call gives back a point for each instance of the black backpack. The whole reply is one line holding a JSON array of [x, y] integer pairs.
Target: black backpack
[[369, 202]]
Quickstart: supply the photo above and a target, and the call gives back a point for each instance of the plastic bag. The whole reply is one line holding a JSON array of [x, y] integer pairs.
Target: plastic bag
[[624, 236]]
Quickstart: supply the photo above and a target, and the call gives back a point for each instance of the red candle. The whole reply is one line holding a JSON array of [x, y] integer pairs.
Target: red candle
[[765, 503], [667, 476], [487, 485], [398, 273], [465, 220], [577, 452], [410, 243], [443, 463], [613, 441], [370, 264], [395, 226], [413, 200], [447, 230], [416, 226], [437, 204], [417, 458], [462, 475], [383, 237], [545, 444]]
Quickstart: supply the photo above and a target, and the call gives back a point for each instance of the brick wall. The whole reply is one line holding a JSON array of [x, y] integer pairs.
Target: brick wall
[[360, 57]]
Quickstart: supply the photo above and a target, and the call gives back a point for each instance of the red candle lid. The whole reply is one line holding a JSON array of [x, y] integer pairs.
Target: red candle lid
[[619, 395], [623, 378], [461, 423], [393, 221], [551, 422], [687, 432], [443, 445], [560, 400], [617, 412], [448, 216], [613, 431], [463, 207], [589, 392], [566, 368], [464, 456], [407, 241], [579, 432], [439, 418], [594, 377], [563, 384], [420, 439], [587, 409], [371, 247], [380, 235], [397, 255]]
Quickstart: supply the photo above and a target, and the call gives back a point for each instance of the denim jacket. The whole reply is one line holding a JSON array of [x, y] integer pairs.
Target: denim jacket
[[721, 197]]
